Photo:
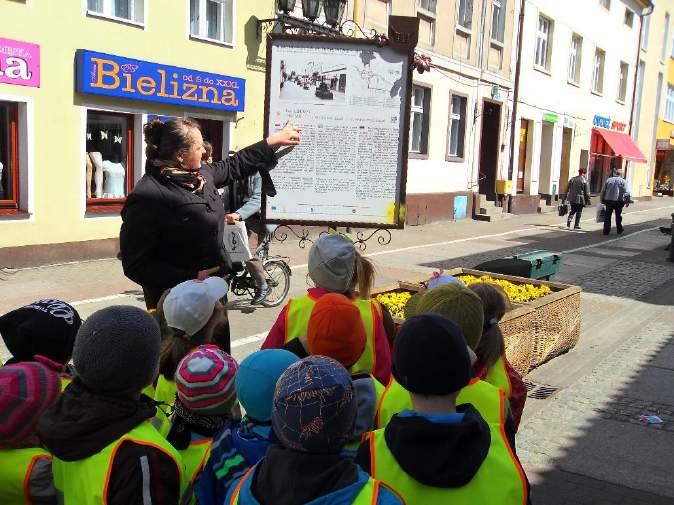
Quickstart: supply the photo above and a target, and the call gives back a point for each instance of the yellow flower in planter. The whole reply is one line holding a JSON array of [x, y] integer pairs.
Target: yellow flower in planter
[[519, 293], [395, 302]]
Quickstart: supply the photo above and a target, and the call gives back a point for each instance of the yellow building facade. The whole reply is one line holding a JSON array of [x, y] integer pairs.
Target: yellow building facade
[[662, 176], [79, 78]]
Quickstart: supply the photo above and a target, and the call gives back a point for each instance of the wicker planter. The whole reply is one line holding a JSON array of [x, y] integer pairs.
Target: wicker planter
[[534, 332]]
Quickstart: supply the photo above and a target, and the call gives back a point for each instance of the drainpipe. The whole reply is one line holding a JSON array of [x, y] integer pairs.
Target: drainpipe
[[516, 89]]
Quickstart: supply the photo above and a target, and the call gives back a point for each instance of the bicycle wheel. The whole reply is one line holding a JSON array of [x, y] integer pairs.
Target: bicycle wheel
[[278, 278]]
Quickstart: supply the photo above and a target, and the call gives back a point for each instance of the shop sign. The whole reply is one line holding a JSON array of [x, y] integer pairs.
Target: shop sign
[[615, 125], [602, 122], [19, 63], [550, 118], [663, 144], [120, 77]]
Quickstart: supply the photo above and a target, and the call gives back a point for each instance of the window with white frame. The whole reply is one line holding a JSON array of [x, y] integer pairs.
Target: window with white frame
[[629, 17], [544, 42], [498, 20], [212, 20], [420, 120], [127, 10], [669, 105], [575, 58], [646, 28], [457, 126], [426, 12], [622, 83], [598, 71], [464, 16], [665, 39], [606, 4]]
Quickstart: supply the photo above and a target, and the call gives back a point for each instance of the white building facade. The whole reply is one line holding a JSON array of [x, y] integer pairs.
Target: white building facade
[[578, 67]]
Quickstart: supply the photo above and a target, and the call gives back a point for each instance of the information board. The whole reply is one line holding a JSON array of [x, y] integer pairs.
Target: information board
[[351, 98]]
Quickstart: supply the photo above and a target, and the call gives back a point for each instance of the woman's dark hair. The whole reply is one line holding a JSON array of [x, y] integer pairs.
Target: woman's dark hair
[[165, 139], [208, 150], [495, 304]]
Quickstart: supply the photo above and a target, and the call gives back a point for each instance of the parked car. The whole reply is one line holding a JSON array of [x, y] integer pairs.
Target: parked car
[[323, 92]]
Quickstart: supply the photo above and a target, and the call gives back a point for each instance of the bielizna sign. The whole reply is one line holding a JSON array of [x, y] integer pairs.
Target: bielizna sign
[[117, 76], [19, 63]]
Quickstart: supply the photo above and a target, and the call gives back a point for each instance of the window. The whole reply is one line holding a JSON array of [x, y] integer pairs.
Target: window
[[575, 58], [421, 105], [606, 4], [669, 105], [212, 20], [629, 17], [646, 28], [598, 71], [465, 14], [9, 156], [665, 39], [498, 20], [457, 126], [426, 14], [127, 10], [109, 157], [622, 84], [377, 13], [544, 42]]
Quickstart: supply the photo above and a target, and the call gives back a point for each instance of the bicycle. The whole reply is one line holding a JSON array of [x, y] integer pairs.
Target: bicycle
[[277, 273]]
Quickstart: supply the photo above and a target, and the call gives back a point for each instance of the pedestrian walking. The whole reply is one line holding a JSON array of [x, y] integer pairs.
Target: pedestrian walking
[[615, 195], [578, 196]]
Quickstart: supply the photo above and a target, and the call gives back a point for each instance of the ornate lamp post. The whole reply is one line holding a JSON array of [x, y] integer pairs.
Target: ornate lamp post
[[334, 11], [310, 9], [286, 6]]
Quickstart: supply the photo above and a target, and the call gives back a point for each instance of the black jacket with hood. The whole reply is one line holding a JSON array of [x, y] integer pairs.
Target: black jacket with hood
[[81, 424], [169, 234], [436, 454]]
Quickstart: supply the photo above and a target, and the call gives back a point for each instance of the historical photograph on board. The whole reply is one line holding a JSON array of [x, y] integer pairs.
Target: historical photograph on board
[[304, 80]]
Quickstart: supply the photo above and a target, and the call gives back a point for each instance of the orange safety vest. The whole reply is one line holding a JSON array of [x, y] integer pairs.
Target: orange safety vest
[[297, 324]]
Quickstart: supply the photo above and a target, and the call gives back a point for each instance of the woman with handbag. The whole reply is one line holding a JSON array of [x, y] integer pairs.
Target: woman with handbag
[[578, 196]]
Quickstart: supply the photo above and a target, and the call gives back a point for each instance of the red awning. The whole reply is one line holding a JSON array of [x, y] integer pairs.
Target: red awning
[[622, 144]]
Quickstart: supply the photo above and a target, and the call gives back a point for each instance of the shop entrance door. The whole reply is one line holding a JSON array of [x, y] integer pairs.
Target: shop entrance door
[[211, 130], [565, 166], [489, 149], [522, 163], [545, 174]]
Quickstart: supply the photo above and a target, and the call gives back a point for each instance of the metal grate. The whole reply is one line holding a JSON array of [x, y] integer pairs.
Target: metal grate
[[539, 391]]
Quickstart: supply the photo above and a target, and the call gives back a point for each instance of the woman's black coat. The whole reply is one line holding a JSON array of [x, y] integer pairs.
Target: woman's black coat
[[169, 234]]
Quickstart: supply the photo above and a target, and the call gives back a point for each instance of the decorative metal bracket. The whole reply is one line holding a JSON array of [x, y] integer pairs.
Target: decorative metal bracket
[[284, 23], [303, 236]]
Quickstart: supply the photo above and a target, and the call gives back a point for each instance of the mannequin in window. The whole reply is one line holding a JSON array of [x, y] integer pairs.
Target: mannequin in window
[[90, 173], [97, 161], [113, 183]]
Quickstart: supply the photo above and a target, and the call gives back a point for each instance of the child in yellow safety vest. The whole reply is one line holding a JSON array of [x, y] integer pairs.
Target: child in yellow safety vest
[[313, 415], [189, 315], [439, 452], [45, 327], [206, 395], [26, 391], [492, 365], [104, 448]]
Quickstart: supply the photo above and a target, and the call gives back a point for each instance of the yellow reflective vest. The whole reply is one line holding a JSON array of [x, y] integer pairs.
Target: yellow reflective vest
[[165, 393], [498, 376], [16, 468], [297, 325], [195, 458], [85, 482], [488, 400]]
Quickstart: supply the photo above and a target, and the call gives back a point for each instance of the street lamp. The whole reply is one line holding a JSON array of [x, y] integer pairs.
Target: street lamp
[[310, 9], [334, 10], [286, 5]]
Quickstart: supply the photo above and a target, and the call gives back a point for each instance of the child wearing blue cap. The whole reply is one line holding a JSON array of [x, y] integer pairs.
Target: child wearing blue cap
[[240, 445]]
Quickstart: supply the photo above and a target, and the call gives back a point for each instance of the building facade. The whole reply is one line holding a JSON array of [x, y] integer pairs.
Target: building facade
[[75, 90], [575, 94], [459, 126]]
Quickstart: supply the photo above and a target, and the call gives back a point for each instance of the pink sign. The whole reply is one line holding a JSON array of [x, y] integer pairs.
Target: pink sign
[[19, 63]]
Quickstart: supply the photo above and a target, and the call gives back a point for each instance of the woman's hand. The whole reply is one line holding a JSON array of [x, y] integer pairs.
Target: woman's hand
[[232, 218], [205, 274], [289, 136]]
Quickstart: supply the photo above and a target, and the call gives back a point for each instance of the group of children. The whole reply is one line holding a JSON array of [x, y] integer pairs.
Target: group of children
[[340, 406]]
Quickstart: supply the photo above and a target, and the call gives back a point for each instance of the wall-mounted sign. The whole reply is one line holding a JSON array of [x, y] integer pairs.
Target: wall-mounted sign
[[569, 123], [550, 118], [602, 122], [615, 125], [117, 76], [19, 63]]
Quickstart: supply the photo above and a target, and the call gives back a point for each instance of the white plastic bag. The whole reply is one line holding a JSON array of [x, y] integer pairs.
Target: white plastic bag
[[601, 213], [236, 242]]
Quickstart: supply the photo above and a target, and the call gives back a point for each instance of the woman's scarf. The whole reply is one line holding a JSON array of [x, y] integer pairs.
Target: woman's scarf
[[191, 180]]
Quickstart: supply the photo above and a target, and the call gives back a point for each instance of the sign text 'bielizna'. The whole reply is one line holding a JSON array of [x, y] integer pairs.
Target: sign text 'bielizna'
[[105, 74], [19, 63]]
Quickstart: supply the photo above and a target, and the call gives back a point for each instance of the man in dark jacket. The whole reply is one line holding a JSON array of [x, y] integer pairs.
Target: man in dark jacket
[[104, 447], [578, 196], [615, 195]]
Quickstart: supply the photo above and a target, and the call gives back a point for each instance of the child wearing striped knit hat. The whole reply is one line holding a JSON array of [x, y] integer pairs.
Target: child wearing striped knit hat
[[204, 402]]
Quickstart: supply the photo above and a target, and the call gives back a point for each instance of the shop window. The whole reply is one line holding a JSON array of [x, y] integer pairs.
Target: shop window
[[544, 34], [212, 20], [622, 83], [457, 127], [420, 120], [575, 58], [9, 156], [108, 166], [598, 71], [498, 20], [125, 10]]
